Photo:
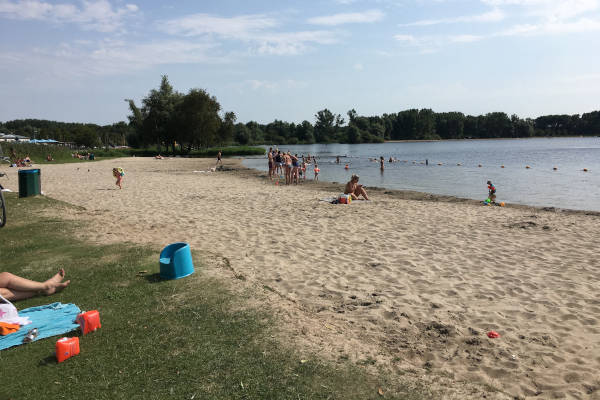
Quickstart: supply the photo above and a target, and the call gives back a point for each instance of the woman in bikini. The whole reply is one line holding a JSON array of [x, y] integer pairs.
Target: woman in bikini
[[287, 163], [354, 189], [295, 168]]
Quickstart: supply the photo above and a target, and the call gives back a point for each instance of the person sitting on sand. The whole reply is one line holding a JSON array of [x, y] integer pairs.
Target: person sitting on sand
[[354, 189], [49, 158], [158, 157], [13, 287]]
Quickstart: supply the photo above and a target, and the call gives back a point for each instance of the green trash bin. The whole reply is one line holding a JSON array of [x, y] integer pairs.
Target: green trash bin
[[29, 182]]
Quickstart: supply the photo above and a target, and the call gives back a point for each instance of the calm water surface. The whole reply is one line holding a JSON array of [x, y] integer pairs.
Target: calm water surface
[[567, 187]]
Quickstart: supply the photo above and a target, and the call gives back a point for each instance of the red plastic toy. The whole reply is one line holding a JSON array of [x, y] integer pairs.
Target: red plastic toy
[[66, 348], [89, 321], [493, 334]]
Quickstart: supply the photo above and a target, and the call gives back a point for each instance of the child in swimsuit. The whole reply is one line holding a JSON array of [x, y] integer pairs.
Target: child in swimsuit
[[119, 174], [491, 192], [317, 170]]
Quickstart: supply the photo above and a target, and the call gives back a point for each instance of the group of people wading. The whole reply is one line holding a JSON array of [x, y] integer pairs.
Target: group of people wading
[[294, 169], [292, 166]]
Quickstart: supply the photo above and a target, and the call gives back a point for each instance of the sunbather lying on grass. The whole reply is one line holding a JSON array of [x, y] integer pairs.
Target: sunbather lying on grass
[[13, 287]]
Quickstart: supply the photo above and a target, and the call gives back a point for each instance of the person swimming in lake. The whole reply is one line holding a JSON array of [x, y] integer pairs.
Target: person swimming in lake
[[354, 189], [13, 287], [381, 163]]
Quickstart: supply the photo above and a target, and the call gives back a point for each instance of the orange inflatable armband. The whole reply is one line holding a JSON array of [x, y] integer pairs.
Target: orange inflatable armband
[[66, 348], [89, 321]]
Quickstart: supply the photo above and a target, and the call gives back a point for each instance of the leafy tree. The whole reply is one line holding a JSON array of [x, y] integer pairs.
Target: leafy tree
[[196, 119], [305, 132], [325, 125]]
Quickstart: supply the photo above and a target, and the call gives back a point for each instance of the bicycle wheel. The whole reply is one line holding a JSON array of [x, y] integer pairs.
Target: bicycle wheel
[[2, 209]]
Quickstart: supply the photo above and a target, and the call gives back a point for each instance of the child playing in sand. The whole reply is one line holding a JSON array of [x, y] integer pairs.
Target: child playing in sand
[[491, 192], [119, 174]]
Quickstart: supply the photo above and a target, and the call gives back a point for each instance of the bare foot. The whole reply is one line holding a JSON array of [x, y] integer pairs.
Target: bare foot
[[55, 284], [58, 277], [56, 288]]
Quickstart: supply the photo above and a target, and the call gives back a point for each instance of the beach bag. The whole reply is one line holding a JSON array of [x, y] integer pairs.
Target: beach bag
[[9, 313]]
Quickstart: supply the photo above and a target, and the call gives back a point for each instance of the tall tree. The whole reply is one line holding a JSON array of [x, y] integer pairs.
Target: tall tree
[[197, 119]]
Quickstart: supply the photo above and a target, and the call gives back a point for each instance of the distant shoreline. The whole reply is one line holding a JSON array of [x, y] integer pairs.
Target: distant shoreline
[[463, 139]]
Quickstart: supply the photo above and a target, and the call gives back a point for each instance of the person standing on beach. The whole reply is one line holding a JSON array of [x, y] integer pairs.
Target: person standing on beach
[[119, 173], [271, 164], [278, 162], [491, 192], [317, 170], [295, 168], [219, 158], [287, 161]]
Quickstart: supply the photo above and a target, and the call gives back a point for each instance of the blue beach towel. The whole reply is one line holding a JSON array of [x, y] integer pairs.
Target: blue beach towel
[[50, 320]]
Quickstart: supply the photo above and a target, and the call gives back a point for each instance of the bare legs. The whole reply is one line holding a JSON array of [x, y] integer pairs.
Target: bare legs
[[14, 287], [358, 192]]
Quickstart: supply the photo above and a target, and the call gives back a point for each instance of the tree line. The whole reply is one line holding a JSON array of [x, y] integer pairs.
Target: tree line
[[84, 135], [175, 121], [424, 124]]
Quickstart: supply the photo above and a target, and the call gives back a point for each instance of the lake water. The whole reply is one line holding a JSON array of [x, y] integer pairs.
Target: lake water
[[567, 187]]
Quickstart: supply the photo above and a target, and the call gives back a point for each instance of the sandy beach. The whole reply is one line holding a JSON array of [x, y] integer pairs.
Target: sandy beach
[[412, 285]]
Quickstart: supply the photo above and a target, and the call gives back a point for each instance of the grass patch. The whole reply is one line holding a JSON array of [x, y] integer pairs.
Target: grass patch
[[62, 154], [159, 339]]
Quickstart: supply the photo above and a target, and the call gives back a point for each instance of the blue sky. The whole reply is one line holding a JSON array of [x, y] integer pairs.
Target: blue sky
[[78, 60]]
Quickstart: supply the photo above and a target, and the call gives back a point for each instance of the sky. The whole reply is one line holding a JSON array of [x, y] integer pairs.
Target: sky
[[77, 61]]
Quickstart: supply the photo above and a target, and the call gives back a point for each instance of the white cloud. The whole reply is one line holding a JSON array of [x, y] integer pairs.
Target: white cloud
[[109, 57], [348, 18], [358, 67], [553, 10], [536, 18], [236, 27], [553, 28], [405, 38], [291, 42], [254, 29], [274, 86], [97, 15], [491, 16], [465, 38]]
